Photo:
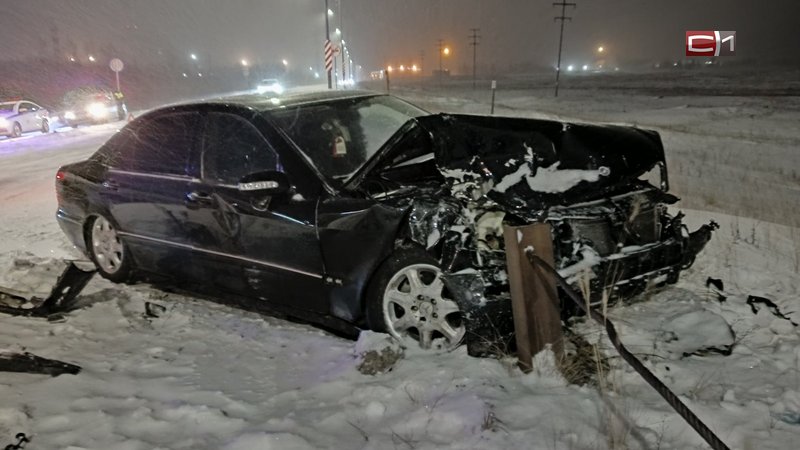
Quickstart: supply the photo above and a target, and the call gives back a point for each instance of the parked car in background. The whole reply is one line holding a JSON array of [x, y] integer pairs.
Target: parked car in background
[[22, 116], [269, 85], [88, 106], [359, 209]]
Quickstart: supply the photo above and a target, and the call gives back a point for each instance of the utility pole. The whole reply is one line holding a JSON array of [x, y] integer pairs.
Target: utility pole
[[422, 61], [563, 17], [474, 37]]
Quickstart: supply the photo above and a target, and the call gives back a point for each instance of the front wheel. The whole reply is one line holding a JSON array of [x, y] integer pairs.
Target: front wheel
[[16, 130], [45, 126], [108, 251], [409, 300]]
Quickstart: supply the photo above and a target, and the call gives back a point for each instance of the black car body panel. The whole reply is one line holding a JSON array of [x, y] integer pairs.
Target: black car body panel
[[445, 183]]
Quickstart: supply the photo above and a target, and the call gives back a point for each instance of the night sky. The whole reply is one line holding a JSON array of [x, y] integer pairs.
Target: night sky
[[382, 32]]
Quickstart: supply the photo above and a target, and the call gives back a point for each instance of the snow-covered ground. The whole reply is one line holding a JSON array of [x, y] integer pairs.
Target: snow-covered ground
[[203, 375]]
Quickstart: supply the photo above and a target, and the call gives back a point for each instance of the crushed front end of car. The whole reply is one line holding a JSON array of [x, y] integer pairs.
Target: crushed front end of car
[[602, 189]]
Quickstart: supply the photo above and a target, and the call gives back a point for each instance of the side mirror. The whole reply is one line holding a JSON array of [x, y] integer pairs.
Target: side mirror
[[269, 182]]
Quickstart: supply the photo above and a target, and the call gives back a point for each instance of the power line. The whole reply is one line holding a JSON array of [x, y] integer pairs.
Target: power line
[[474, 42], [563, 17]]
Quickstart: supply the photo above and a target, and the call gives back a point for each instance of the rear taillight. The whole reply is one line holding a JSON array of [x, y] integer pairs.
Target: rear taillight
[[60, 175]]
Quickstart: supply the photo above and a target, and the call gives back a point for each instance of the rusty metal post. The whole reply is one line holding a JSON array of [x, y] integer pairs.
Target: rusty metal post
[[534, 298]]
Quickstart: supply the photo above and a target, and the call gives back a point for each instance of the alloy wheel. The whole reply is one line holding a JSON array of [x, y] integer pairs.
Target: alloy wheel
[[107, 248], [416, 305]]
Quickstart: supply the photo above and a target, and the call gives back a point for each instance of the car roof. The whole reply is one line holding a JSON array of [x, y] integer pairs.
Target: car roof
[[290, 99]]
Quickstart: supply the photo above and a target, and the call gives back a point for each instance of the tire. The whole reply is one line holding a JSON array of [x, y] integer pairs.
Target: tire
[[16, 130], [408, 300], [108, 252], [45, 126]]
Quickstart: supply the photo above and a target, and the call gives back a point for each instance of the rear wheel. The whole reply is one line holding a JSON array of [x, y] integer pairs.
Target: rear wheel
[[408, 299], [108, 251]]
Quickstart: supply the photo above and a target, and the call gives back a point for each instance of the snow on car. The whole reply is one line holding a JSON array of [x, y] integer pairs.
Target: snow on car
[[269, 85], [22, 116]]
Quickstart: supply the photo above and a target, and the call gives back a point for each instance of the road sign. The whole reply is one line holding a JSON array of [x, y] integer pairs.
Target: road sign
[[328, 55], [116, 65], [337, 50]]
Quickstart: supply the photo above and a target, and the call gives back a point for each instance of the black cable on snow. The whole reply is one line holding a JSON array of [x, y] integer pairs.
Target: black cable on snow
[[673, 400]]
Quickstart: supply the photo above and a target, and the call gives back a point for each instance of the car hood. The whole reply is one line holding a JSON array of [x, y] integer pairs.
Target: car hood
[[7, 114], [536, 163]]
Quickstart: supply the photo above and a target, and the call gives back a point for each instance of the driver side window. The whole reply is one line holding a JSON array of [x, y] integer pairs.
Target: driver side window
[[233, 148]]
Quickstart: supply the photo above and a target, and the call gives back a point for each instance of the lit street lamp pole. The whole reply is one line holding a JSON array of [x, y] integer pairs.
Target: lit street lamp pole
[[328, 37], [341, 38]]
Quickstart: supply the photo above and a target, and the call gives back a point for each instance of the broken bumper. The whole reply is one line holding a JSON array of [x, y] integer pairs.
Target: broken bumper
[[489, 320]]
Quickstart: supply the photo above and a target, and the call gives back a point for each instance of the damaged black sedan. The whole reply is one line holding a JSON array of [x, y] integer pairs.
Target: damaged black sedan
[[352, 209]]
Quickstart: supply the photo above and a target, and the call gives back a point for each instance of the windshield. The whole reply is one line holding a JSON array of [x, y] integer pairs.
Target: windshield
[[340, 136]]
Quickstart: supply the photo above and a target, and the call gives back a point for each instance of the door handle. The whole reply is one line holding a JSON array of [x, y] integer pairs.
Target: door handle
[[111, 185], [198, 198]]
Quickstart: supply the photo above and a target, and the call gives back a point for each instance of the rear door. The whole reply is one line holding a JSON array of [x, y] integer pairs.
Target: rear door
[[151, 172]]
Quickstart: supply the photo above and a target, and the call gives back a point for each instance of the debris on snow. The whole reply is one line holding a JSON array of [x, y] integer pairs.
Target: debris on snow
[[30, 363], [754, 300], [377, 352]]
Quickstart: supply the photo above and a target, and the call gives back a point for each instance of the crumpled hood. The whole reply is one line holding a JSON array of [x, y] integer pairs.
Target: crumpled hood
[[538, 163]]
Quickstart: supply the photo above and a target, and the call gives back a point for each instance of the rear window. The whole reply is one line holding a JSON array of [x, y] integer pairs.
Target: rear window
[[161, 145]]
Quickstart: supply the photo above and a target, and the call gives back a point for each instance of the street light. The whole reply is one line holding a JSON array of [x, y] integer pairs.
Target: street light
[[91, 58], [193, 56], [328, 41], [245, 63], [285, 62], [600, 49], [446, 51], [338, 32]]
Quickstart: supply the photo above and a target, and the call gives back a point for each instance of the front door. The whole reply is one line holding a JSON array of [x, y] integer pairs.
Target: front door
[[273, 241]]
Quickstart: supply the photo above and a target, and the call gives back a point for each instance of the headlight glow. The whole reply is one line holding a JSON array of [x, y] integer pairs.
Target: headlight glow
[[3, 122], [97, 110], [69, 115]]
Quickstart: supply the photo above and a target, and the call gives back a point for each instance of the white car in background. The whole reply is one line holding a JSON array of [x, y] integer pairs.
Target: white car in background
[[269, 85], [22, 116]]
